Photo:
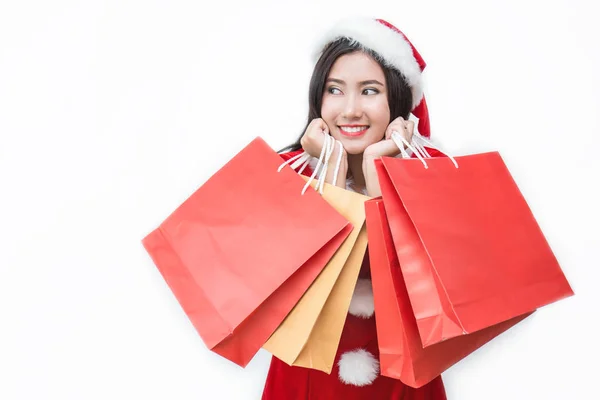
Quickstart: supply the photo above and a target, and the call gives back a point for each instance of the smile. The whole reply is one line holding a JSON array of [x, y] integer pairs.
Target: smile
[[353, 130]]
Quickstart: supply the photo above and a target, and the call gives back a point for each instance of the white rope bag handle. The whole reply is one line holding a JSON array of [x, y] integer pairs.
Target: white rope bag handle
[[401, 142], [417, 148], [320, 172]]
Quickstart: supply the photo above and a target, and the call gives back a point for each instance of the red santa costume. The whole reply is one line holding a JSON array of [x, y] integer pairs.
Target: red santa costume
[[356, 375]]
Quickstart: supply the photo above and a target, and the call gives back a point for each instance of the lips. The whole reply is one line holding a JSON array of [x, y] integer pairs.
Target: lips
[[353, 130]]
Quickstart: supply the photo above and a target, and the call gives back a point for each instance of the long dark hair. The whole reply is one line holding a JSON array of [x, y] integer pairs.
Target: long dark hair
[[398, 92]]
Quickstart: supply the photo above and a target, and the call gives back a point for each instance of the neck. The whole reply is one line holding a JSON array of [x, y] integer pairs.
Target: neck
[[355, 167]]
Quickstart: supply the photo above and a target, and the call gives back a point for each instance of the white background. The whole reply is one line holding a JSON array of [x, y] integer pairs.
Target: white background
[[113, 112]]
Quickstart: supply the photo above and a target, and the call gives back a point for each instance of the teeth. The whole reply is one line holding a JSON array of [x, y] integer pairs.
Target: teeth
[[354, 129]]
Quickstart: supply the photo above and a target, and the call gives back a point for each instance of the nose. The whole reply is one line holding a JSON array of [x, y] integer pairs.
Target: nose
[[352, 108]]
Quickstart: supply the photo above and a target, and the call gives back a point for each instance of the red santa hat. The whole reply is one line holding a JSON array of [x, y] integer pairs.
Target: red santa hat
[[395, 50]]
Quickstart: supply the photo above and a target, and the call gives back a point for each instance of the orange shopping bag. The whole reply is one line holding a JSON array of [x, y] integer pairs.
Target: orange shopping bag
[[470, 250], [243, 248], [401, 353], [309, 336]]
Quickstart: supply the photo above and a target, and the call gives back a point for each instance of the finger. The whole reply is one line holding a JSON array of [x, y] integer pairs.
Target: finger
[[315, 122], [390, 148], [403, 127], [399, 128], [402, 122], [410, 129], [388, 132], [396, 125], [323, 126], [405, 134], [316, 129]]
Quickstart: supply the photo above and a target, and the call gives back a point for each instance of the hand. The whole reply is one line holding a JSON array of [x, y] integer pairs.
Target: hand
[[387, 147], [314, 137]]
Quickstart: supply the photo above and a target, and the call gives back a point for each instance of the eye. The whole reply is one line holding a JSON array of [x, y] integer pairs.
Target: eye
[[370, 91], [334, 90]]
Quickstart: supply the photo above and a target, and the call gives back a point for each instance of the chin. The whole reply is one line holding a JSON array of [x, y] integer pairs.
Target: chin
[[354, 148]]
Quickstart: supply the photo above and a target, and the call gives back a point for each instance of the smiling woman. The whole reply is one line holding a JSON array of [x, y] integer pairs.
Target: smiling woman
[[355, 104], [366, 83]]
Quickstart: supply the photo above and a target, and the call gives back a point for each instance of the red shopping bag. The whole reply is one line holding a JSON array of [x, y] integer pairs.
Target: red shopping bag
[[242, 249], [401, 353], [470, 250]]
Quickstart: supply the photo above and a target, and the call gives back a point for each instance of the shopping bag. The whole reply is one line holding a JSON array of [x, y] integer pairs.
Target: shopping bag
[[401, 353], [470, 250], [245, 233], [310, 334], [319, 353]]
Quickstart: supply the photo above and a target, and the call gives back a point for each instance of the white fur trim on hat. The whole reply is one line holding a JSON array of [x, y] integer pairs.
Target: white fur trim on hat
[[362, 304], [395, 50], [358, 368]]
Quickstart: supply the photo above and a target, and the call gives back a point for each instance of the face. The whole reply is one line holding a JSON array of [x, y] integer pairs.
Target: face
[[355, 105]]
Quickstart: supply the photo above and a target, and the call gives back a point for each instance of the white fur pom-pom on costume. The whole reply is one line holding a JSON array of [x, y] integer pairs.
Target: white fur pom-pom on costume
[[358, 367], [362, 304]]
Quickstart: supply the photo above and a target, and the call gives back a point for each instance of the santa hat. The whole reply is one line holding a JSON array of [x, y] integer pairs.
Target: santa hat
[[395, 50]]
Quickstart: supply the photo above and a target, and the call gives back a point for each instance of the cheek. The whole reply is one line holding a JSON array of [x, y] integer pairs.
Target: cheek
[[379, 116], [329, 110]]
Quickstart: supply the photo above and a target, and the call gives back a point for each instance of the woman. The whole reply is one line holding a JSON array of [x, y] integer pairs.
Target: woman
[[366, 82]]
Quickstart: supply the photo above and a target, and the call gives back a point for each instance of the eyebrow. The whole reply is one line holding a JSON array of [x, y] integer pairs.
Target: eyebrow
[[363, 83]]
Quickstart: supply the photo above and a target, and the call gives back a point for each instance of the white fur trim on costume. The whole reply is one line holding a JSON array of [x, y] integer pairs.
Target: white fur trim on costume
[[362, 304], [358, 367], [395, 50]]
